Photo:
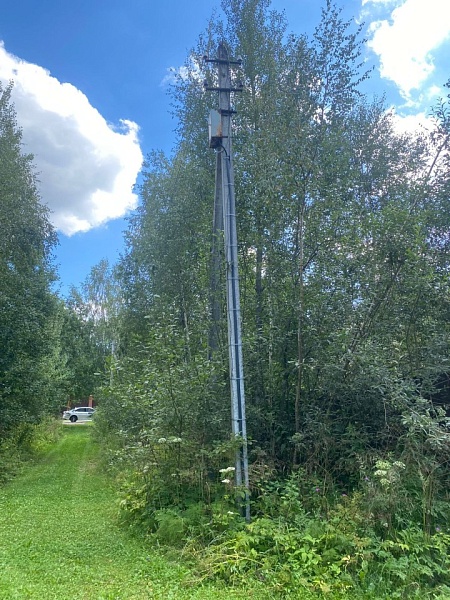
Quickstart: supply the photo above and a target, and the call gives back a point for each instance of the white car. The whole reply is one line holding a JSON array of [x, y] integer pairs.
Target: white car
[[82, 413]]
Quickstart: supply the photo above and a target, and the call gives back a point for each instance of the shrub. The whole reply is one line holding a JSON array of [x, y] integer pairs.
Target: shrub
[[25, 442], [333, 548]]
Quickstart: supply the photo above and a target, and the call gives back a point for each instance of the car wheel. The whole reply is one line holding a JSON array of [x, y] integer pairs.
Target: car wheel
[[73, 418]]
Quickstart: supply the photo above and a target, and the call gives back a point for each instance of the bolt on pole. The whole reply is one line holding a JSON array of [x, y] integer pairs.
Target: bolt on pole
[[220, 139]]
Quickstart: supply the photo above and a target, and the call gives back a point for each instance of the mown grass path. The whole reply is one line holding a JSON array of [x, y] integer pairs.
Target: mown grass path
[[59, 538]]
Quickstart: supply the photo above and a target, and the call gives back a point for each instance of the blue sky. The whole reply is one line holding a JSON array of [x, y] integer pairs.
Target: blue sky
[[91, 99]]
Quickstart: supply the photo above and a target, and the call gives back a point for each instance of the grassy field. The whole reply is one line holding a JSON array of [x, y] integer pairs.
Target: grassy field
[[59, 538]]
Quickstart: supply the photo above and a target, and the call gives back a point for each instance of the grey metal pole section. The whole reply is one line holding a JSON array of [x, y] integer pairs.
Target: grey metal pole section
[[216, 262], [238, 419]]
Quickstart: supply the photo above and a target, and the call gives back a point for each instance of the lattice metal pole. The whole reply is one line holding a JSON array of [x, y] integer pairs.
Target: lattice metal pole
[[220, 138]]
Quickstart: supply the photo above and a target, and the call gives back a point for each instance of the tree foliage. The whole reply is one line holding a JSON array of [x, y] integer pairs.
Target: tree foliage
[[29, 322], [343, 245]]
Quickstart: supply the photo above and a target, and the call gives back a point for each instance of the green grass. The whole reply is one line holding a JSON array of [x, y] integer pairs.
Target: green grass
[[59, 538]]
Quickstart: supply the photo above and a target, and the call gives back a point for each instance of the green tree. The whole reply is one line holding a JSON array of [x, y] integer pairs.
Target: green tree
[[343, 248], [93, 322], [27, 306]]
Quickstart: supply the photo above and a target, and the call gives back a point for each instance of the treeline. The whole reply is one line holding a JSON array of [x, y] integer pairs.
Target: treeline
[[343, 245], [47, 353]]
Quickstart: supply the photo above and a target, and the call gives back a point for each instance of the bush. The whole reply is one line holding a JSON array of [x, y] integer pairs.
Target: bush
[[26, 442], [325, 558]]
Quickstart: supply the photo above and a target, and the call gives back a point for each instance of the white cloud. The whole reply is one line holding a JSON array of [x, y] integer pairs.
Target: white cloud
[[86, 166], [380, 2], [405, 41], [174, 74], [413, 124], [191, 70]]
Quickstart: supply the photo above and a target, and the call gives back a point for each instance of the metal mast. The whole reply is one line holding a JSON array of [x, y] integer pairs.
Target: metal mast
[[220, 139]]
